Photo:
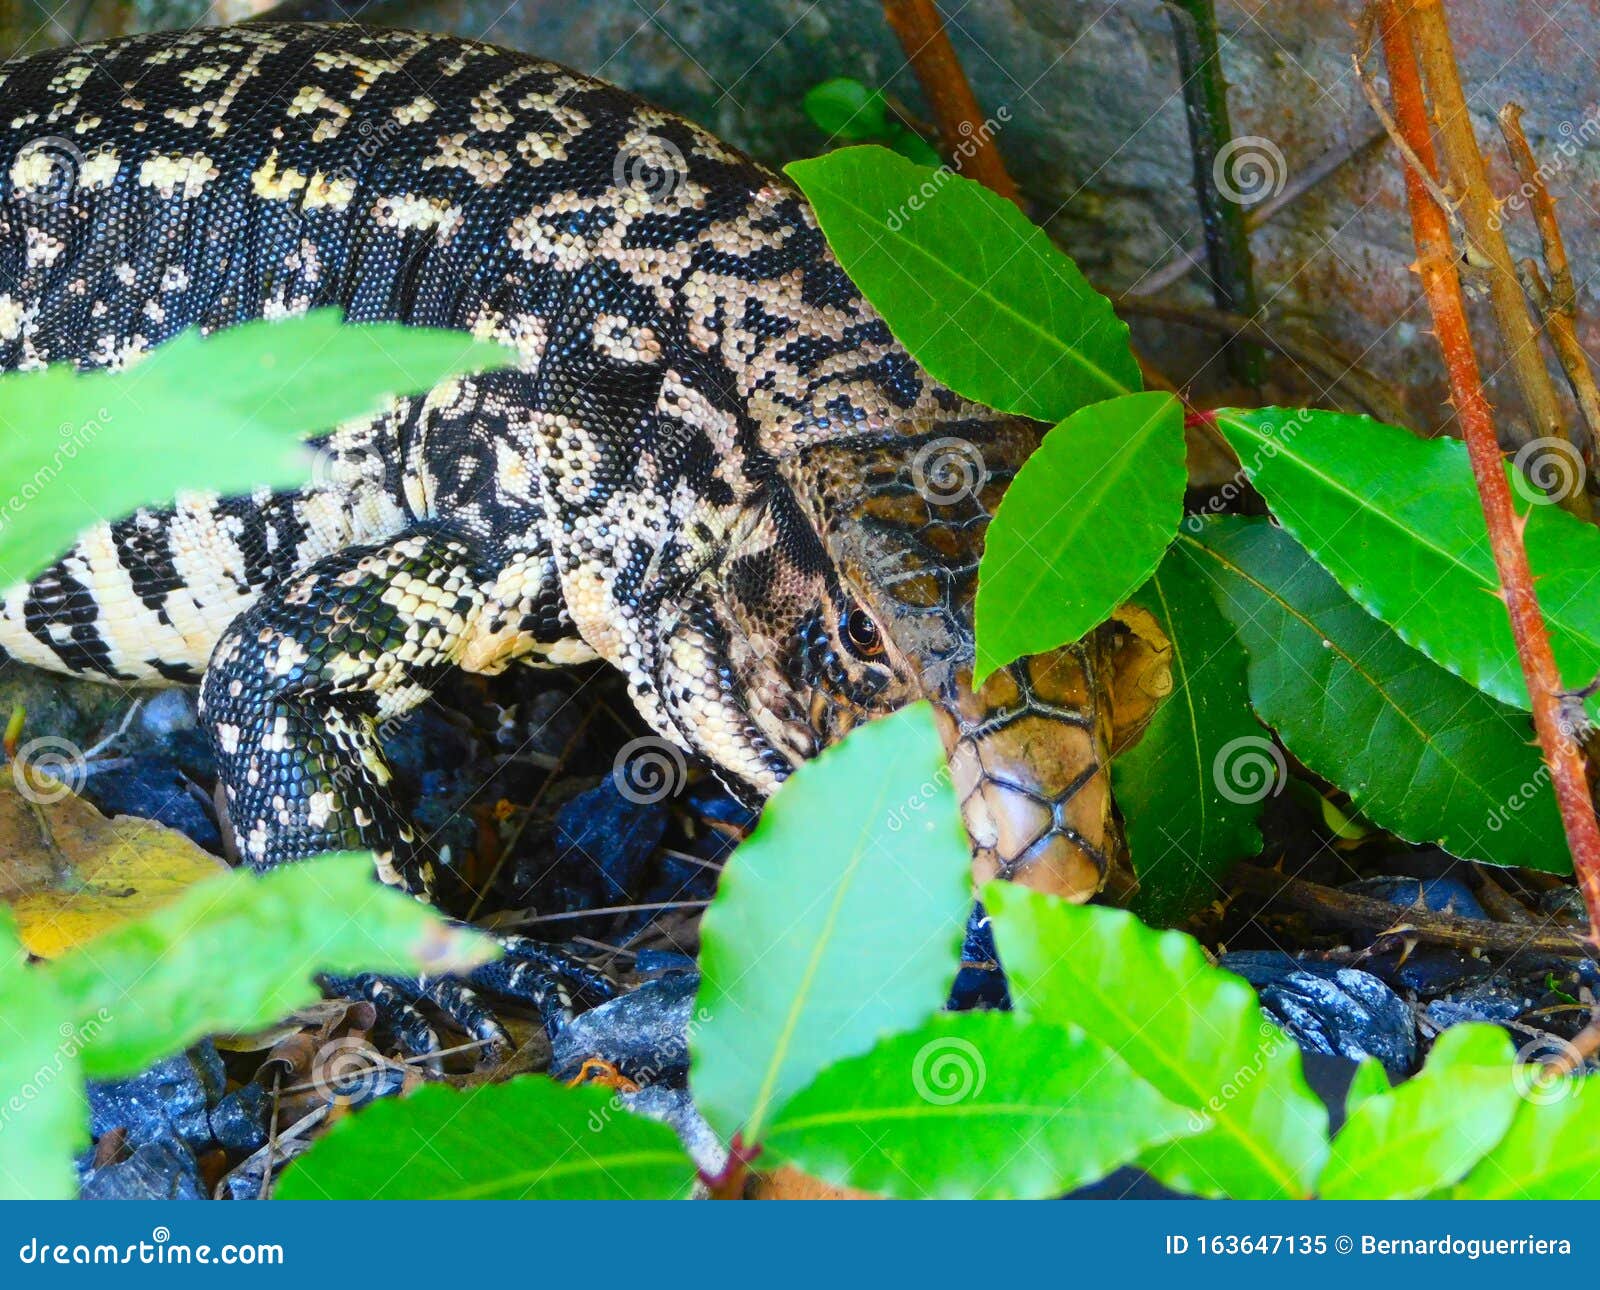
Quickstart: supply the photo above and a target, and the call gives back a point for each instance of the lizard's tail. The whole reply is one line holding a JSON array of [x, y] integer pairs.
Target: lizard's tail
[[143, 600]]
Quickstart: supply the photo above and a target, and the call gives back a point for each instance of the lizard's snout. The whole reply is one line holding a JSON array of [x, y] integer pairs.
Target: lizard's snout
[[1029, 767]]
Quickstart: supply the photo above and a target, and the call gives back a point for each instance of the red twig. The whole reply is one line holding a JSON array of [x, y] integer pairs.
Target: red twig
[[1436, 260], [968, 137]]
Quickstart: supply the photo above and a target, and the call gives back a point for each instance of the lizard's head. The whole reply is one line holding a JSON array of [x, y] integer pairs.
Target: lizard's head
[[848, 592]]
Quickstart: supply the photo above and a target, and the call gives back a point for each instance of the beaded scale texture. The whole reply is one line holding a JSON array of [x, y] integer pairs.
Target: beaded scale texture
[[714, 467]]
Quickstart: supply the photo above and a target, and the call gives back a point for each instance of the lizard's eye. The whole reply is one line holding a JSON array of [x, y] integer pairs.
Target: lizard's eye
[[861, 633]]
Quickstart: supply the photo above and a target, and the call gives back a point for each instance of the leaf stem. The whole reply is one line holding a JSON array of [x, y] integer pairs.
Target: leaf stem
[[967, 134], [1436, 260]]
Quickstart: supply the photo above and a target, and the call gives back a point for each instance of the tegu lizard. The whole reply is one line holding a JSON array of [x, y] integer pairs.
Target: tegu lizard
[[714, 467]]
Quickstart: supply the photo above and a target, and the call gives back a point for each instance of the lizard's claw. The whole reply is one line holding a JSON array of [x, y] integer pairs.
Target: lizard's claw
[[530, 972]]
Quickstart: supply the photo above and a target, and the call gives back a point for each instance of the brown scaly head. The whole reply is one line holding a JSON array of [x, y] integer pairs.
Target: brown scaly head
[[849, 592]]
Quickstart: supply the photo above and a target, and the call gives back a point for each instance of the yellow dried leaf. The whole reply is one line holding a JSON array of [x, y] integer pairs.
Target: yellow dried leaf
[[70, 873]]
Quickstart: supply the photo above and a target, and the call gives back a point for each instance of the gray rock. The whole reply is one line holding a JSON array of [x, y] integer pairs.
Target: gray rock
[[161, 1170], [167, 711], [1338, 1011], [1485, 1001], [644, 1033], [674, 1107], [172, 1097]]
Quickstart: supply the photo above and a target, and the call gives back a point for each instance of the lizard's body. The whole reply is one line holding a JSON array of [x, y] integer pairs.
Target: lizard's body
[[711, 468]]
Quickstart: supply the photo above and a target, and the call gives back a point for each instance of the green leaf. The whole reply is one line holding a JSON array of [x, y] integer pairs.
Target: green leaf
[[44, 1119], [238, 951], [1082, 525], [838, 921], [1185, 823], [1369, 1080], [845, 109], [1552, 1149], [221, 413], [1192, 1031], [1396, 520], [982, 298], [912, 146], [977, 1104], [526, 1139], [1430, 1130], [1420, 752]]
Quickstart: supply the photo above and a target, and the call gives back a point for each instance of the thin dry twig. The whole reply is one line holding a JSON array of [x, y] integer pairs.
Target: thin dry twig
[[1436, 259], [1350, 909], [968, 136], [530, 920], [1557, 302], [1479, 209], [1315, 353]]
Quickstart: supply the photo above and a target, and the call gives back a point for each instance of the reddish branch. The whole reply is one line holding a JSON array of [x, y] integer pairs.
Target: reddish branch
[[1436, 260], [968, 137]]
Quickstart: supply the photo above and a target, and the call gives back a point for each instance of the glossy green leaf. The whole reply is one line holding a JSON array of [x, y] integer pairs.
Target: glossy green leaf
[[977, 1105], [1552, 1149], [837, 922], [982, 298], [845, 109], [526, 1139], [44, 1119], [1082, 525], [1192, 1031], [1420, 752], [239, 951], [222, 413], [1396, 520], [1186, 822], [1427, 1132], [1368, 1080]]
